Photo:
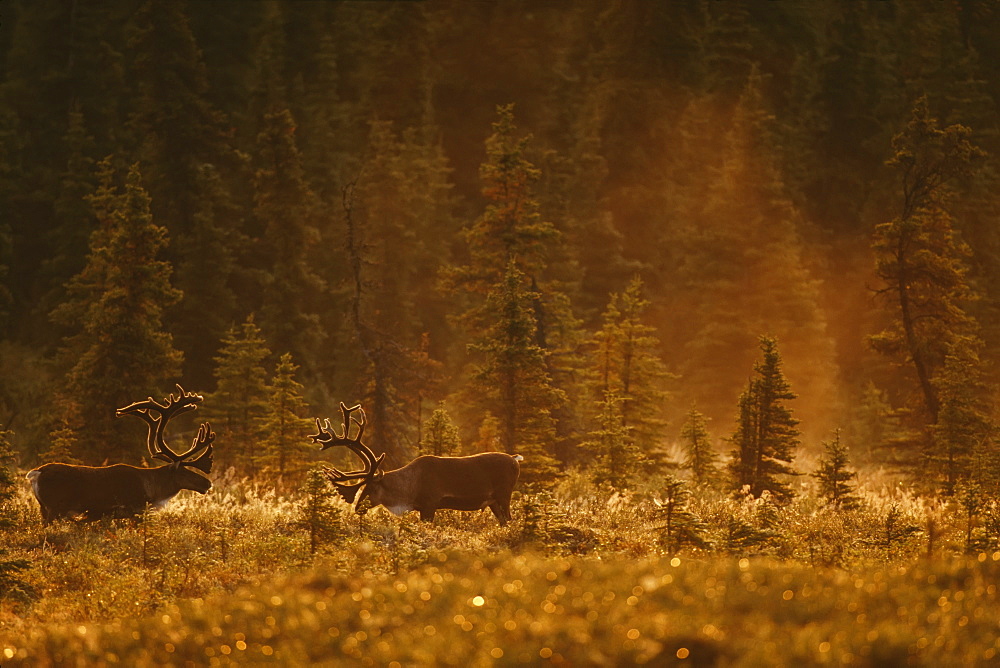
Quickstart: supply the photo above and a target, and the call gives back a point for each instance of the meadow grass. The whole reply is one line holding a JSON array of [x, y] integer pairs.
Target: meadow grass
[[581, 577]]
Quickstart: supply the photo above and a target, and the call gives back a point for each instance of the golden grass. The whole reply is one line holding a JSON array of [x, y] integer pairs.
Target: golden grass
[[228, 579]]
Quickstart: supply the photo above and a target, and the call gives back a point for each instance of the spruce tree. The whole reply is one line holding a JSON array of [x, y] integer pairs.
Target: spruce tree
[[834, 476], [965, 418], [185, 144], [319, 514], [327, 140], [699, 456], [874, 424], [511, 235], [511, 228], [766, 435], [8, 481], [396, 211], [11, 584], [488, 435], [119, 348], [62, 445], [440, 435], [285, 214], [6, 298], [726, 50], [513, 381], [240, 397], [920, 258], [73, 215], [12, 587], [284, 448], [627, 364], [617, 459], [680, 526], [727, 188]]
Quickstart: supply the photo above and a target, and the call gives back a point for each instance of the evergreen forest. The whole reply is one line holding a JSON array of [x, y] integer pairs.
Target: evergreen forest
[[725, 274], [384, 192]]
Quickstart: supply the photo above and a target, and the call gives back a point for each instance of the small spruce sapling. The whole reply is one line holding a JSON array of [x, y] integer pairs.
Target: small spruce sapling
[[897, 528], [319, 516], [7, 481], [973, 502], [680, 526], [835, 477], [700, 458], [751, 526], [11, 585], [742, 537], [989, 537]]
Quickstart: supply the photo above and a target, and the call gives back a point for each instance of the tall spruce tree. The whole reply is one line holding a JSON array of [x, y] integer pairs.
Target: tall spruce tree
[[511, 228], [398, 209], [285, 213], [504, 283], [920, 258], [510, 231], [73, 215], [192, 169], [513, 381], [119, 349], [6, 298], [240, 397], [628, 365], [766, 435]]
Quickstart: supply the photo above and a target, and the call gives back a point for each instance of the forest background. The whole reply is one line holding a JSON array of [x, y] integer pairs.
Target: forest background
[[531, 223]]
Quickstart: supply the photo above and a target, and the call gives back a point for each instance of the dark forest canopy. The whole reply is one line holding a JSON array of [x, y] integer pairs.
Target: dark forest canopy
[[429, 201]]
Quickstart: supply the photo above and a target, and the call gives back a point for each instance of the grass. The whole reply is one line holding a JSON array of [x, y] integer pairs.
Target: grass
[[579, 578]]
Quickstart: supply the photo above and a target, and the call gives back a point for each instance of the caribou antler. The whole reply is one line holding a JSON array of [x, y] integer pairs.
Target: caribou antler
[[204, 439], [328, 437], [171, 407]]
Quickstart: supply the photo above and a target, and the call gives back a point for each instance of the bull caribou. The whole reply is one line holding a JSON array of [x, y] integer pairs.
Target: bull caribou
[[121, 490], [427, 484]]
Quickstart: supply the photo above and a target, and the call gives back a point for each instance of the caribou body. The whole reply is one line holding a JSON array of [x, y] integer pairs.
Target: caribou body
[[122, 490], [428, 483]]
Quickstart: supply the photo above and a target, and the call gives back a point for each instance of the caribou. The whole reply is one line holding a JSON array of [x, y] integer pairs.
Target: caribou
[[427, 484], [122, 490]]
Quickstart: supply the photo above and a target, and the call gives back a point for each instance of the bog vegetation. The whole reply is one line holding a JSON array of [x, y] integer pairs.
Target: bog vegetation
[[669, 573], [724, 275]]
